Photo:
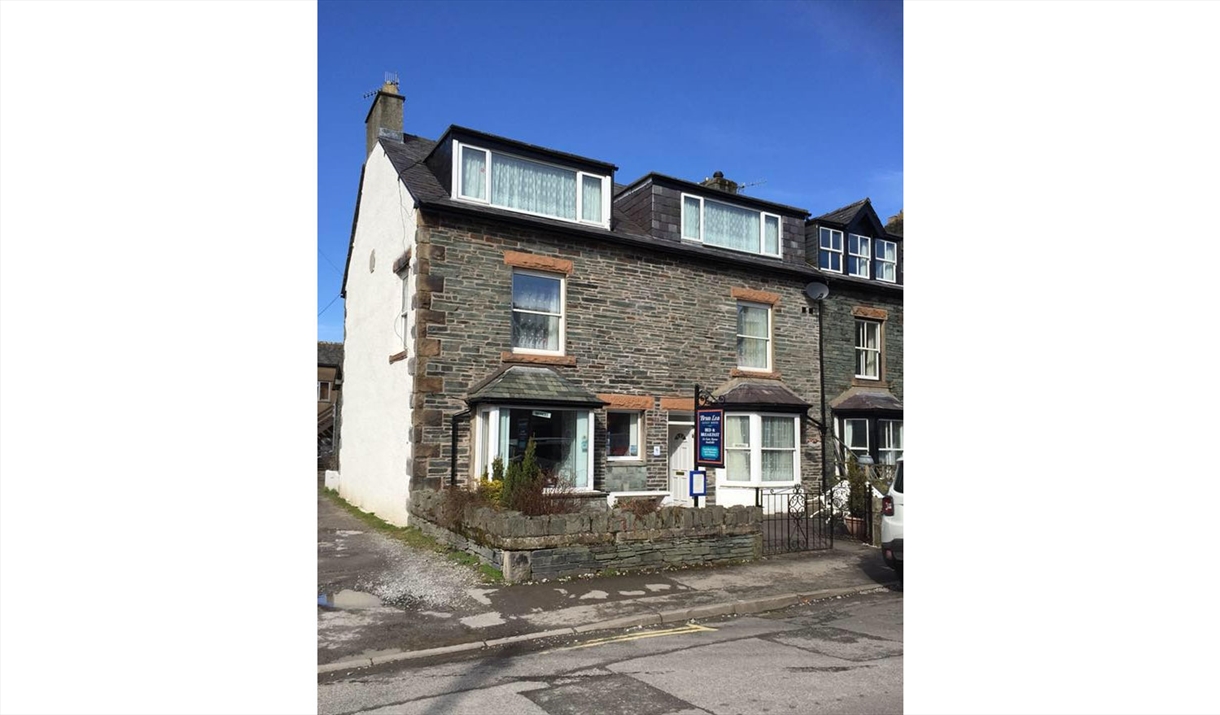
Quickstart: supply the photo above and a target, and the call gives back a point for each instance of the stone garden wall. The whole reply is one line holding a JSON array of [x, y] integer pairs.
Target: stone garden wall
[[527, 548]]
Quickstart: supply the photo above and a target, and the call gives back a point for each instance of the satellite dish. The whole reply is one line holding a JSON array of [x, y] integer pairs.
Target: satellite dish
[[817, 291]]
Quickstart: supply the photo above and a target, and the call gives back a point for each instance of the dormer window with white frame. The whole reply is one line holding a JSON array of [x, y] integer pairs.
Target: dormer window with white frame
[[830, 258], [722, 225], [858, 255], [887, 261], [529, 186]]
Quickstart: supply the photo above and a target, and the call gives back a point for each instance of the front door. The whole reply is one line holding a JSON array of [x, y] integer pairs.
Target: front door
[[681, 461]]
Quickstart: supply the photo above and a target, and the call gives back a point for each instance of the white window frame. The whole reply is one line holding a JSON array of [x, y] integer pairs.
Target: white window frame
[[486, 450], [756, 450], [563, 312], [883, 262], [863, 349], [841, 433], [638, 420], [329, 390], [762, 227], [832, 251], [862, 259], [770, 335], [884, 428], [406, 309], [488, 158]]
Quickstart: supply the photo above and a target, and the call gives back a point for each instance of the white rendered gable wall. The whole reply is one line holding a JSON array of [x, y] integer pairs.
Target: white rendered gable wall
[[375, 446]]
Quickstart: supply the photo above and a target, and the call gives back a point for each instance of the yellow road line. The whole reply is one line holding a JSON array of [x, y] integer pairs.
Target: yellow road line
[[690, 628]]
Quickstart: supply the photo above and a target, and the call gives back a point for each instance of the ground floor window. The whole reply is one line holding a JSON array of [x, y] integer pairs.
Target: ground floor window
[[623, 436], [880, 438], [761, 449], [561, 439]]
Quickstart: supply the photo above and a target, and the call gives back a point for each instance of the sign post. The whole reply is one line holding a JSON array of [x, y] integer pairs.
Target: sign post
[[709, 444]]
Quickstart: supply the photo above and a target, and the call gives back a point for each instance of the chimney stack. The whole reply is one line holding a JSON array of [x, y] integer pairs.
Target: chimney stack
[[385, 116], [720, 183]]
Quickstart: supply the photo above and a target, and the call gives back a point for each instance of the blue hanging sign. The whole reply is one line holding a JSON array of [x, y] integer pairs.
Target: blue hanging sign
[[710, 441]]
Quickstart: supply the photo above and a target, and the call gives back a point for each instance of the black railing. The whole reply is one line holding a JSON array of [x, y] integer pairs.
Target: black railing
[[795, 519]]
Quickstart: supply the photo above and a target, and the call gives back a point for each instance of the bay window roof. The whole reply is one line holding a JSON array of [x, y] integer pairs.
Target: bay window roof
[[528, 384]]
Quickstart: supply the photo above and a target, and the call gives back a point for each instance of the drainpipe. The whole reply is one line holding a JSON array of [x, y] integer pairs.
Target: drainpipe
[[453, 445], [822, 392]]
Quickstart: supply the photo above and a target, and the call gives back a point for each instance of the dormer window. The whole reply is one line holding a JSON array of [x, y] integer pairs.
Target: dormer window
[[725, 226], [531, 187], [858, 255], [830, 258], [887, 261]]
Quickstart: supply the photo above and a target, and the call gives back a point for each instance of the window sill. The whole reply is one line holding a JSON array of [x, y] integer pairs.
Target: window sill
[[868, 382], [527, 359], [761, 374]]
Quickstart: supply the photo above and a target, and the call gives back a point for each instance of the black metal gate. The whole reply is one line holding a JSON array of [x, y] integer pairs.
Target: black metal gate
[[795, 519]]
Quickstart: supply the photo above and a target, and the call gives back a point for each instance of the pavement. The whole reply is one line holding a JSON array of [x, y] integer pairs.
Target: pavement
[[381, 601]]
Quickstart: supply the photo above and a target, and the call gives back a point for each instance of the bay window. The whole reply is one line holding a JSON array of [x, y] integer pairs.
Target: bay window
[[530, 186], [561, 441], [727, 226], [761, 449], [889, 441], [538, 307]]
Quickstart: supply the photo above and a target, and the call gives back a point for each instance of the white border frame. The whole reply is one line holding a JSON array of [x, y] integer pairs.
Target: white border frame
[[858, 348], [762, 226], [491, 415], [489, 154], [877, 244], [770, 336], [563, 312], [823, 249], [866, 258], [639, 426], [756, 450]]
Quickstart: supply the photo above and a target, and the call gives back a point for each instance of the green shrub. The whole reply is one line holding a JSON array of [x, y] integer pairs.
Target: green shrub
[[858, 499]]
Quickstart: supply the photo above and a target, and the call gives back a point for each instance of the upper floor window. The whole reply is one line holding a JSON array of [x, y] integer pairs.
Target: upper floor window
[[323, 391], [538, 320], [858, 255], [830, 258], [868, 349], [531, 187], [725, 226], [754, 336], [887, 261]]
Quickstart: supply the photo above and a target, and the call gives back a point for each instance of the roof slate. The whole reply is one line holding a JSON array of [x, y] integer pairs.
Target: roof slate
[[844, 214], [330, 354], [866, 398], [741, 391], [530, 384]]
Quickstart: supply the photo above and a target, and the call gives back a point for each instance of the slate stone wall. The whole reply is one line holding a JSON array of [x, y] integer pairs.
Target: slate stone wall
[[637, 323], [528, 548]]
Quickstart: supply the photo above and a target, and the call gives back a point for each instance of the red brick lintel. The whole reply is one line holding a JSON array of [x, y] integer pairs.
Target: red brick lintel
[[861, 311], [530, 261], [755, 296]]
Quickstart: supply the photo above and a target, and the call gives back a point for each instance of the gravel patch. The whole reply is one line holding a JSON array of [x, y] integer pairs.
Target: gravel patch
[[415, 577]]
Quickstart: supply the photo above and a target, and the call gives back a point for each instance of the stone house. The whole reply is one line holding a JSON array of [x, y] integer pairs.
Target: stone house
[[862, 263], [330, 388], [498, 291]]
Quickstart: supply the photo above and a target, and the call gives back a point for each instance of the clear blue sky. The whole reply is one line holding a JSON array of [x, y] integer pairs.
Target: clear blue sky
[[803, 96]]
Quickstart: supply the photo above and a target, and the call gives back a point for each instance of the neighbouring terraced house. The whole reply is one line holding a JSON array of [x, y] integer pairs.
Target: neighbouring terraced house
[[498, 291]]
